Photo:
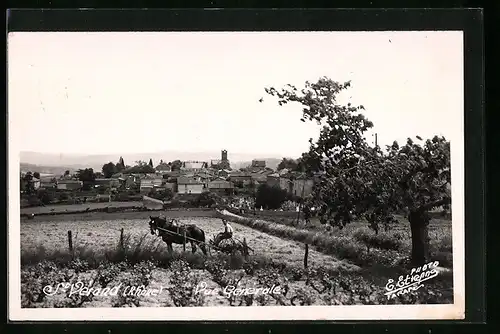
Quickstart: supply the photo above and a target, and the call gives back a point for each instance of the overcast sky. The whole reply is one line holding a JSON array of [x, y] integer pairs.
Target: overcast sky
[[96, 93]]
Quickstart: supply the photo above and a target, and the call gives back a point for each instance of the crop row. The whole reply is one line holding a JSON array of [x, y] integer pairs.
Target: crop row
[[361, 246]]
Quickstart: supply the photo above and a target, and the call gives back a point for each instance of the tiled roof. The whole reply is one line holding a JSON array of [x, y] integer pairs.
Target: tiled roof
[[187, 180]]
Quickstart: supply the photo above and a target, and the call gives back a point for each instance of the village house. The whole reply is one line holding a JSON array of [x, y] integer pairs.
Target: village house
[[302, 187], [260, 176], [193, 166], [221, 187], [163, 168], [259, 163], [189, 185], [150, 183], [127, 181], [107, 183], [286, 184], [214, 163], [48, 183], [69, 185]]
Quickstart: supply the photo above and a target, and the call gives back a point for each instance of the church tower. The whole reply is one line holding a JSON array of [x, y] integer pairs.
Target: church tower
[[224, 163]]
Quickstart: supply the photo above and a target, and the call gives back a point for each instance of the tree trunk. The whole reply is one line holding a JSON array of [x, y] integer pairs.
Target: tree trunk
[[419, 222]]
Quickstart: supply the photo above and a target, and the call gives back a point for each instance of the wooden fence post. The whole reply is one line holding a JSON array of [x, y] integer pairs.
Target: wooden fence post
[[70, 241], [305, 256], [184, 243], [245, 247], [121, 238]]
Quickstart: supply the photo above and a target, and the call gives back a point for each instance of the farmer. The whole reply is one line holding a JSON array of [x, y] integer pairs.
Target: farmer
[[227, 234]]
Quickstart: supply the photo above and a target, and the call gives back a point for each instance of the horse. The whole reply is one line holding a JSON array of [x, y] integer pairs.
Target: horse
[[196, 234]]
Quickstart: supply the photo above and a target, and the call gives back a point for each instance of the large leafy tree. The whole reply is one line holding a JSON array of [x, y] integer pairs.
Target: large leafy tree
[[87, 176], [270, 197], [357, 180]]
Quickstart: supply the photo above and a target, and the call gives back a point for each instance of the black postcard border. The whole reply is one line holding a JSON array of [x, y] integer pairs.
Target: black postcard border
[[468, 20]]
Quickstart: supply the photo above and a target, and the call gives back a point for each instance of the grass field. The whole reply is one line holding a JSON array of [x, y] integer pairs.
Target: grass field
[[75, 207], [100, 235]]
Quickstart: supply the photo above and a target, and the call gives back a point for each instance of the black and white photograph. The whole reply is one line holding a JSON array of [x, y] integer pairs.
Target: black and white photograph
[[236, 175]]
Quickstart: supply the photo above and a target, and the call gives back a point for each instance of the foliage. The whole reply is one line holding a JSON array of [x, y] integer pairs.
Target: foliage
[[359, 180], [176, 165], [45, 197], [109, 169], [270, 197], [140, 277], [341, 243], [290, 164], [162, 194], [63, 197], [86, 175], [162, 164], [39, 276], [183, 283], [314, 285], [120, 165], [27, 184], [390, 241], [224, 278], [207, 199], [141, 167]]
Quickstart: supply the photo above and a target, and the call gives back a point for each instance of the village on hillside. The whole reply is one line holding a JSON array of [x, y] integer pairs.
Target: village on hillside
[[165, 181]]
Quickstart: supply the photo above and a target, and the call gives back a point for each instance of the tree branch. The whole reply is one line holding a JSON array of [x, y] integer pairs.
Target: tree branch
[[428, 206]]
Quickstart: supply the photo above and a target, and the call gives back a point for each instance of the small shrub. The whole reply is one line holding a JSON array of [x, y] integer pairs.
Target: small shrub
[[302, 297], [183, 285], [39, 280], [389, 241], [140, 277]]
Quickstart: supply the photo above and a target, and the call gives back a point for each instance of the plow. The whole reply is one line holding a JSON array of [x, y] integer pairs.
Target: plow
[[231, 246]]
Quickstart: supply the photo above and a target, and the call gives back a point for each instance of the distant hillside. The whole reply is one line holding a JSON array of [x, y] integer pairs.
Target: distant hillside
[[56, 170], [76, 161]]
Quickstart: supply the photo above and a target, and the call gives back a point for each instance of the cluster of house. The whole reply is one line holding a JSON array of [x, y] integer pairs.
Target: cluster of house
[[50, 181], [223, 181]]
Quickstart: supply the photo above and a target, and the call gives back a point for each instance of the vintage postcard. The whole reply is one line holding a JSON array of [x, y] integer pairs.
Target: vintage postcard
[[236, 175]]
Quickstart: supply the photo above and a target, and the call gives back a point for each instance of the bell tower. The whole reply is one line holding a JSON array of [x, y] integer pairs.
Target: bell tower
[[224, 163]]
